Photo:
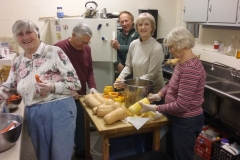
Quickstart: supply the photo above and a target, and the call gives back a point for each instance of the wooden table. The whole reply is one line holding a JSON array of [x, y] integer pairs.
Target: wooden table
[[118, 129]]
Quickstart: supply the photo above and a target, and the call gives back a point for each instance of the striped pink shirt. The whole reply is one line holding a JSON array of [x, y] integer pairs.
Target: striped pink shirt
[[184, 93]]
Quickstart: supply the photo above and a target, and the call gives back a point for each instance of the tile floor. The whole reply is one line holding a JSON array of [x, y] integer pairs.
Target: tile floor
[[27, 152]]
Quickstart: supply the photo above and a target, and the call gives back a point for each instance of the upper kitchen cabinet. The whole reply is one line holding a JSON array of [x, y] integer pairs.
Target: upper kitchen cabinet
[[212, 12], [195, 10], [238, 15], [222, 11]]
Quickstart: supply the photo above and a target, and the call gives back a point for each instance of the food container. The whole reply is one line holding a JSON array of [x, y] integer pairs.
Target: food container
[[137, 89], [9, 137], [13, 101], [107, 89]]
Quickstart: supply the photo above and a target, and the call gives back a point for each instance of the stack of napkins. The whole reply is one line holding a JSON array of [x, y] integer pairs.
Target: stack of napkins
[[138, 122]]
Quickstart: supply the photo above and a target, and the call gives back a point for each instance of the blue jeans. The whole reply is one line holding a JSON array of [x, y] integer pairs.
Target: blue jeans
[[181, 137], [80, 130], [51, 127]]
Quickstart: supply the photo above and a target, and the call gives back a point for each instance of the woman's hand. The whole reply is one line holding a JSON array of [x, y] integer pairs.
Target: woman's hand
[[147, 107], [119, 83], [75, 95], [153, 97], [45, 87]]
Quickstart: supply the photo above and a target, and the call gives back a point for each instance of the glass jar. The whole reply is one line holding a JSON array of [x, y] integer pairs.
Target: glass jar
[[231, 49], [60, 13], [238, 51]]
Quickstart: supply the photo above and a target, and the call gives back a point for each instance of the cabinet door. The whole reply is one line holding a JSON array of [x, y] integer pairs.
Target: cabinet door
[[195, 10], [222, 11], [238, 20]]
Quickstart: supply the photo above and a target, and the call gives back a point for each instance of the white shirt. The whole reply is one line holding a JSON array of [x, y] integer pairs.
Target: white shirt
[[144, 60]]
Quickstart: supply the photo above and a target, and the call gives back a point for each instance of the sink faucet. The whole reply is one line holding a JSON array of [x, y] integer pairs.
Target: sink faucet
[[234, 72], [215, 62]]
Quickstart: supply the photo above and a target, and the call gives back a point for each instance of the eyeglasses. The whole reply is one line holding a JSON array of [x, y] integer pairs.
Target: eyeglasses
[[82, 40], [27, 33]]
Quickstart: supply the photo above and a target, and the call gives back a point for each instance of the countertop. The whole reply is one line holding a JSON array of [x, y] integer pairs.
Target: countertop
[[14, 153], [8, 59]]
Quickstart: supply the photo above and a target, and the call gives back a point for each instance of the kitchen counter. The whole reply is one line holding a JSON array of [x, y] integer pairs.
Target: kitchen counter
[[14, 153], [8, 59]]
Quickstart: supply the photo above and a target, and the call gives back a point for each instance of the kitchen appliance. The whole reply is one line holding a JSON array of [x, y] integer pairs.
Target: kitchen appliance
[[90, 12], [103, 55], [9, 137], [137, 89]]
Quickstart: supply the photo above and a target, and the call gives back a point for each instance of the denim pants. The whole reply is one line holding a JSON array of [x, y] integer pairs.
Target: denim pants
[[51, 127], [80, 130], [181, 138]]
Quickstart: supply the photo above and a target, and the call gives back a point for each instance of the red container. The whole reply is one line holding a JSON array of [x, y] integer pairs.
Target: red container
[[202, 153], [203, 146]]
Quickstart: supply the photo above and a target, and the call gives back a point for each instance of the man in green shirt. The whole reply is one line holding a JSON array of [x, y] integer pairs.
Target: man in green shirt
[[124, 37]]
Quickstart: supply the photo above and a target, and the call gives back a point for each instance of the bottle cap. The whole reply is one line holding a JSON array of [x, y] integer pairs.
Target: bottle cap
[[59, 7], [224, 140]]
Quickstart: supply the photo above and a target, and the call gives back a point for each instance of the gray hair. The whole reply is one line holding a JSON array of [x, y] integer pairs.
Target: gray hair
[[144, 16], [24, 25], [128, 13], [179, 38], [82, 29]]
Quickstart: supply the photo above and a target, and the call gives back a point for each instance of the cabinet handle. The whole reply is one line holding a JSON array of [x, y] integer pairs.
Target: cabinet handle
[[210, 8], [184, 9]]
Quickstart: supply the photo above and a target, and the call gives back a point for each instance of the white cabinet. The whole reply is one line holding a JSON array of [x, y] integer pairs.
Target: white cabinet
[[222, 11], [212, 12], [195, 10], [238, 15]]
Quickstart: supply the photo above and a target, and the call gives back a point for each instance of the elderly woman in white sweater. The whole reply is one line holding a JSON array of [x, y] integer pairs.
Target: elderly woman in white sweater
[[145, 55]]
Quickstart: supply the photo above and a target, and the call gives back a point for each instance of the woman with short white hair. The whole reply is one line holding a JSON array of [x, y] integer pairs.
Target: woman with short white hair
[[50, 108], [183, 96]]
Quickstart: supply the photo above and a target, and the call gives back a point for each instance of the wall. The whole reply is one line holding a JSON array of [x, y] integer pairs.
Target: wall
[[32, 9], [170, 15]]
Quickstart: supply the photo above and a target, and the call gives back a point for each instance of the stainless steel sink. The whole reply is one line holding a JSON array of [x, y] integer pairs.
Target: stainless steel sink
[[223, 86], [210, 78], [235, 94]]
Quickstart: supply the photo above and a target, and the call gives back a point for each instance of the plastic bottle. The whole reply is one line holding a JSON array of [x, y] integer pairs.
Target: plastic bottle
[[224, 141], [60, 13], [231, 49]]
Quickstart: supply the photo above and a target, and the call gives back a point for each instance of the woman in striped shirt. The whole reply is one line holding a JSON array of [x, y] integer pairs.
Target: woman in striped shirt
[[183, 96]]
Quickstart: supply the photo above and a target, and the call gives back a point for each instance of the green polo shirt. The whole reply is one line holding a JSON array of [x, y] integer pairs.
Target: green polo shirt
[[124, 41]]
